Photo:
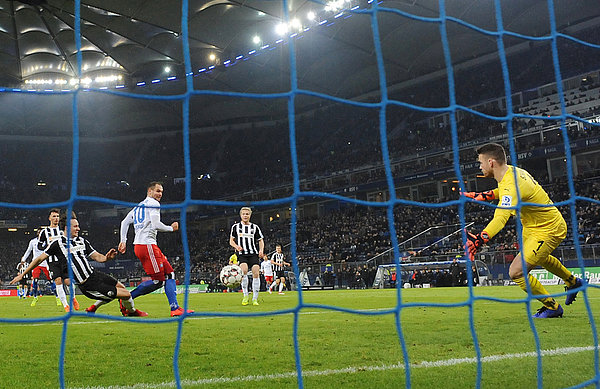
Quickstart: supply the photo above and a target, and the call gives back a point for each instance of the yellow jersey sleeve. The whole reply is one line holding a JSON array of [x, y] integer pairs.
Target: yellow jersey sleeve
[[501, 216], [532, 216]]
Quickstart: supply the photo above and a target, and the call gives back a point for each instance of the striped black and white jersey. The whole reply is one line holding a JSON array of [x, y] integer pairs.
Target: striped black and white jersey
[[246, 236], [47, 236], [277, 258], [81, 249], [21, 266]]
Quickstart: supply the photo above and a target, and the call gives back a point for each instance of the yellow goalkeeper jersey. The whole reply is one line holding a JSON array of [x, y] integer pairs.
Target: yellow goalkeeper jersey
[[543, 219]]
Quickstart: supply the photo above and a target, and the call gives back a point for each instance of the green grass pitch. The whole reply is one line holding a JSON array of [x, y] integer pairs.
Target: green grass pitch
[[337, 348]]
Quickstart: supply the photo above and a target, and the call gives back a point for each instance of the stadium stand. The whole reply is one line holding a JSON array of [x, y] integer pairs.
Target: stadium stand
[[417, 145]]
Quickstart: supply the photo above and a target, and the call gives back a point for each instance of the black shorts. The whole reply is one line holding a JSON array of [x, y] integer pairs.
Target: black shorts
[[23, 281], [99, 286], [250, 259], [58, 269], [279, 274]]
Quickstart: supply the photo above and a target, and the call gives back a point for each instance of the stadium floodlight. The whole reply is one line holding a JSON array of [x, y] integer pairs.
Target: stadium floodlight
[[334, 6], [212, 56], [296, 24], [256, 39], [167, 69], [311, 15], [281, 29]]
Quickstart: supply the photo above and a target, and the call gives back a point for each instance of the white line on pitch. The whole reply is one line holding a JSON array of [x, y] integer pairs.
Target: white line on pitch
[[352, 370]]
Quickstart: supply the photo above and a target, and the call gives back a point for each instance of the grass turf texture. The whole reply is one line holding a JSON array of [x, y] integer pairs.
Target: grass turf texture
[[337, 348]]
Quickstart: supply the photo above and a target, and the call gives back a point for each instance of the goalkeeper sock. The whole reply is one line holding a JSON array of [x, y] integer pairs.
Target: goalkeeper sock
[[537, 289], [553, 265], [60, 292], [255, 288], [53, 288], [145, 288], [245, 284], [171, 292]]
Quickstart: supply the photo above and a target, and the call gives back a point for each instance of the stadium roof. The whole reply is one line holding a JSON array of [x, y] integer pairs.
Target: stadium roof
[[134, 42]]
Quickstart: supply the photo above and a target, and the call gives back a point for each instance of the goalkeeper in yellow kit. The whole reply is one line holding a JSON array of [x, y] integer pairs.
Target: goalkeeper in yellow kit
[[543, 227]]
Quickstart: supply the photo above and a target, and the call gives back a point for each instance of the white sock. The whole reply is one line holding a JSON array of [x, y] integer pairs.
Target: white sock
[[99, 303], [255, 288], [128, 304], [245, 285], [280, 287], [271, 286], [60, 291]]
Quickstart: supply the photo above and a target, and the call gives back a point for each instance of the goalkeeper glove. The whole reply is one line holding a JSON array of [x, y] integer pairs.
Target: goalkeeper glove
[[488, 195], [474, 242]]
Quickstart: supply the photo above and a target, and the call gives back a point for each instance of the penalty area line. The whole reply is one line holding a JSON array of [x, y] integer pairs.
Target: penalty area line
[[351, 370]]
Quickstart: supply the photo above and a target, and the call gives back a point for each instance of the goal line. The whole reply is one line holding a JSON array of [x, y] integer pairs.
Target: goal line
[[354, 369]]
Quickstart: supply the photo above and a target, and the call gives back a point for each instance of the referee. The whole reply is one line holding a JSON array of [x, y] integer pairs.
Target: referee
[[243, 238], [93, 284]]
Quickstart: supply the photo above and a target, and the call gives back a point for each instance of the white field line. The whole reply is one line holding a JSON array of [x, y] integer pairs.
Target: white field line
[[351, 370]]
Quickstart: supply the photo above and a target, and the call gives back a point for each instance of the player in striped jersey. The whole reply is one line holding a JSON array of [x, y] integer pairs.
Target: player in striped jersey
[[32, 248], [243, 238], [47, 236], [277, 259], [145, 218], [22, 288], [93, 284]]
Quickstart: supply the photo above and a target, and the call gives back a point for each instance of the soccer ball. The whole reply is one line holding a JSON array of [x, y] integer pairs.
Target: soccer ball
[[231, 276]]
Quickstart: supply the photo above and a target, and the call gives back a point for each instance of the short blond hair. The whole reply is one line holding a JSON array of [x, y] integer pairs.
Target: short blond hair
[[246, 209]]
